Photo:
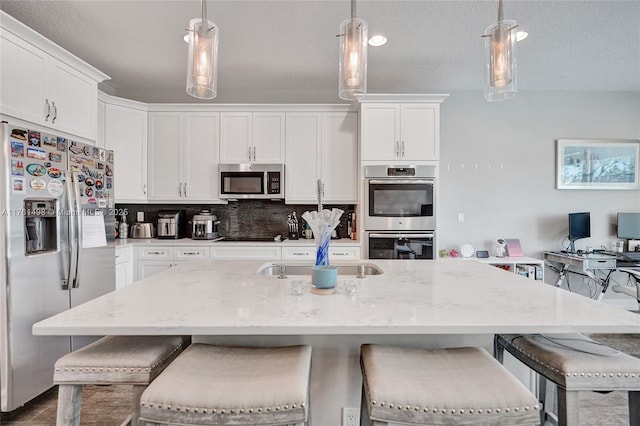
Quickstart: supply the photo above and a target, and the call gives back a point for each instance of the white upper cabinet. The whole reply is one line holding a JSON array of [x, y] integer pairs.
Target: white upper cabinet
[[125, 132], [252, 137], [321, 146], [339, 157], [182, 156], [302, 165], [400, 132], [44, 84]]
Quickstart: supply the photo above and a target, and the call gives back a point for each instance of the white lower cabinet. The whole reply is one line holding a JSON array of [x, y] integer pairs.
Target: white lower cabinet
[[124, 267], [154, 259], [151, 259], [309, 252], [246, 252]]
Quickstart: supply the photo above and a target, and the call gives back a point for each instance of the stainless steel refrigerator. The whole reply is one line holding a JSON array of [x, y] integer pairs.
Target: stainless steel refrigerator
[[57, 245]]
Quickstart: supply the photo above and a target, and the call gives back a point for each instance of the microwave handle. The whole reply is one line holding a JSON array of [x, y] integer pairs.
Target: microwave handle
[[395, 236], [400, 181]]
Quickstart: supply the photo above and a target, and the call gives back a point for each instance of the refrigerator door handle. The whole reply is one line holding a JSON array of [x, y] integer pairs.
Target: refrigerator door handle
[[72, 233], [78, 216]]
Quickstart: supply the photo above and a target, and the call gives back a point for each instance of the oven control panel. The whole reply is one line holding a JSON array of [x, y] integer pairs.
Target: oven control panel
[[401, 171]]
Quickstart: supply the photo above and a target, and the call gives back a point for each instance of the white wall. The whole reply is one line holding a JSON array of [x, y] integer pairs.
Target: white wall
[[498, 168], [511, 193]]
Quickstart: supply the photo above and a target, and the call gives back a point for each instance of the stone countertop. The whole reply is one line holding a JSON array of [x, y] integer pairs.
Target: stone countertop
[[445, 296], [191, 242]]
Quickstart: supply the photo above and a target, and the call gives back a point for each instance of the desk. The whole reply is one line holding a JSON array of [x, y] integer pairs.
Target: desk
[[588, 263]]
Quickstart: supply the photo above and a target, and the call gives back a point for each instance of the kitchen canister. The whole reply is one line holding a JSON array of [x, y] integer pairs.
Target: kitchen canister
[[324, 279]]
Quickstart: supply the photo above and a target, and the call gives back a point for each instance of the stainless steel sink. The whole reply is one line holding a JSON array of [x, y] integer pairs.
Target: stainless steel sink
[[284, 269]]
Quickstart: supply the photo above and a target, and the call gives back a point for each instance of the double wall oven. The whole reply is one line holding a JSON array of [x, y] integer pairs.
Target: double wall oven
[[400, 212]]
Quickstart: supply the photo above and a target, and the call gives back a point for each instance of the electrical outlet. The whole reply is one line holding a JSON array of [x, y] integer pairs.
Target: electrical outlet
[[350, 416]]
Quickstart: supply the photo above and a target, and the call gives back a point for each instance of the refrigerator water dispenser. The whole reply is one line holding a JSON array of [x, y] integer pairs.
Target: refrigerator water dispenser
[[40, 225]]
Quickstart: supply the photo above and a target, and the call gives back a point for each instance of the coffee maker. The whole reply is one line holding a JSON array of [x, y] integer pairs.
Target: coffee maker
[[172, 224]]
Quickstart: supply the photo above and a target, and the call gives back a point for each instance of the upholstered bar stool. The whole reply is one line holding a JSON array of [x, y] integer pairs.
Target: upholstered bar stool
[[134, 360], [575, 364], [455, 386], [217, 385]]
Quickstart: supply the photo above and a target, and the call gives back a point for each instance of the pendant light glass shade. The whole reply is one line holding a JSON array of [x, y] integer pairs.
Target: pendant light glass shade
[[202, 74], [353, 59], [500, 42]]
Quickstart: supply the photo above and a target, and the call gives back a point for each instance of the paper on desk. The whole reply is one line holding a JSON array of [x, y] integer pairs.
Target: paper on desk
[[93, 231]]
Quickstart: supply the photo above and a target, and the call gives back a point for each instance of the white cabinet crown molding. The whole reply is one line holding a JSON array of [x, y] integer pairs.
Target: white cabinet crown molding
[[12, 25], [252, 108], [123, 102], [403, 97]]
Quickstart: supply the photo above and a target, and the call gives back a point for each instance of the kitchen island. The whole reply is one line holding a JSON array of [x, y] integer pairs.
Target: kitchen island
[[446, 302]]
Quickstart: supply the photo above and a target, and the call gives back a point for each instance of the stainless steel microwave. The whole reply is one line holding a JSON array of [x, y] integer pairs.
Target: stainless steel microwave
[[251, 181]]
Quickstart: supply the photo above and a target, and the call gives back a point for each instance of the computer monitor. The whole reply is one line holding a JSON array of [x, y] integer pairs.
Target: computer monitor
[[629, 226], [579, 227]]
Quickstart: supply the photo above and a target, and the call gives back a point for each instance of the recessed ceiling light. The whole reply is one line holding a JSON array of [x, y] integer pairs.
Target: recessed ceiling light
[[521, 35], [377, 40]]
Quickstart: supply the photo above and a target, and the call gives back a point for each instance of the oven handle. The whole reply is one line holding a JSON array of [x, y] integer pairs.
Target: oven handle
[[395, 236], [399, 181]]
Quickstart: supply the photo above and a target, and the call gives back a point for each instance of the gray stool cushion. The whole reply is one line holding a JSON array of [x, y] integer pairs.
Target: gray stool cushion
[[210, 384], [443, 386], [119, 359], [575, 362]]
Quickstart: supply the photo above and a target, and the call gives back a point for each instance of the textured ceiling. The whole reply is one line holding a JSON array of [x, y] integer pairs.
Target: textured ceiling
[[286, 51]]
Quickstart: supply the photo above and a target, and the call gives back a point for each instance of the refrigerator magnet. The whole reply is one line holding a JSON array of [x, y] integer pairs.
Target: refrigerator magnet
[[19, 134], [49, 140], [17, 149], [54, 172], [62, 144], [37, 154], [17, 185], [34, 139], [35, 169], [55, 188], [37, 184], [103, 155], [96, 152], [56, 158], [74, 148], [17, 168]]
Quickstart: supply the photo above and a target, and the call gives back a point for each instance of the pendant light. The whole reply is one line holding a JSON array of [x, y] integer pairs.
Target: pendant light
[[500, 42], [353, 57], [202, 74]]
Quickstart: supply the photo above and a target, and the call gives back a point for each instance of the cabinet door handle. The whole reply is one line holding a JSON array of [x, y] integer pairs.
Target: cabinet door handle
[[186, 194], [397, 149], [144, 189], [155, 252], [249, 153], [254, 153], [402, 151], [55, 112], [297, 253], [46, 117], [191, 253], [180, 190]]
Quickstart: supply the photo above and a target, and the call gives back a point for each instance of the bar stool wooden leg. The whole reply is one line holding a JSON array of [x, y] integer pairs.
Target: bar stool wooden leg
[[634, 407], [568, 409], [69, 400]]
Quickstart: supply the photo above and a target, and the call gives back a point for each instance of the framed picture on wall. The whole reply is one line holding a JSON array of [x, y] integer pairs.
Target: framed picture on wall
[[597, 164]]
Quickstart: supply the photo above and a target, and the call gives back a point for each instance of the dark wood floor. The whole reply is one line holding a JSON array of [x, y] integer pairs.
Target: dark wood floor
[[101, 405]]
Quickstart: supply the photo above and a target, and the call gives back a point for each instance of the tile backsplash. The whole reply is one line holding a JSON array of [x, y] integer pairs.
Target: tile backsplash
[[246, 218]]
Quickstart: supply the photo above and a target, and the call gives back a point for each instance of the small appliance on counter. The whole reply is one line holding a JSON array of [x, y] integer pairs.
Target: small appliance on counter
[[172, 224], [205, 226], [142, 230]]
